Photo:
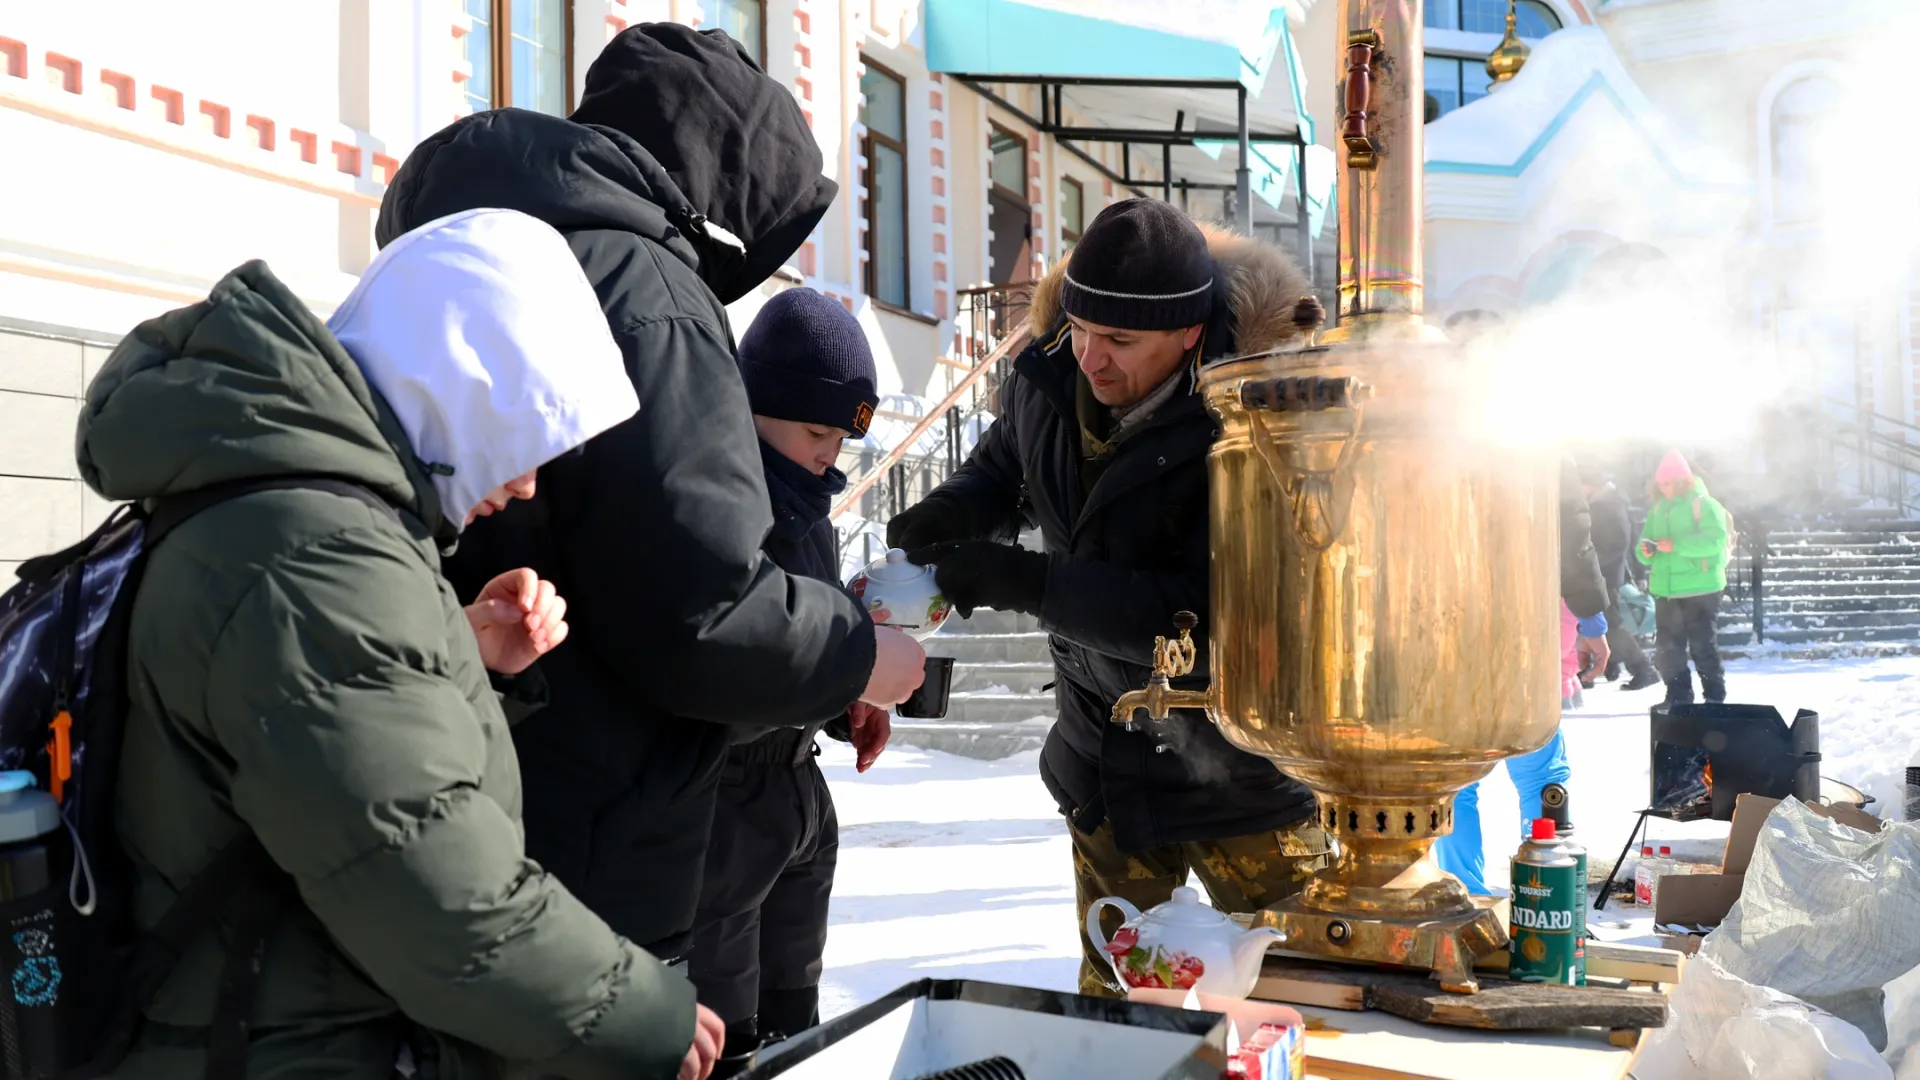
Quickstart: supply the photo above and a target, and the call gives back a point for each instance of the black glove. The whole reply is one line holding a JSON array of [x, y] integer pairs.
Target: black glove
[[931, 521], [979, 573]]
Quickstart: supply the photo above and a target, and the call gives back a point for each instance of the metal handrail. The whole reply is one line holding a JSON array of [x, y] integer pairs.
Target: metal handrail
[[990, 328], [901, 451], [1878, 418]]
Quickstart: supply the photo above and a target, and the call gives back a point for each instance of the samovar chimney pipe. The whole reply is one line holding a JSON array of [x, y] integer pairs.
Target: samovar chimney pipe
[[1382, 173]]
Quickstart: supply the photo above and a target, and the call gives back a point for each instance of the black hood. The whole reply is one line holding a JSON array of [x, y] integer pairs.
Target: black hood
[[733, 149], [732, 138]]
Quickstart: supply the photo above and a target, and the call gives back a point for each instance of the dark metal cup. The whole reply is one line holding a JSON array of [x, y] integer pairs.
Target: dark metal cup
[[930, 701]]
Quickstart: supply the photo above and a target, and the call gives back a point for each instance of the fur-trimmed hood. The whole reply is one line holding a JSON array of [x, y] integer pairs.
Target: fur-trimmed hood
[[1264, 285]]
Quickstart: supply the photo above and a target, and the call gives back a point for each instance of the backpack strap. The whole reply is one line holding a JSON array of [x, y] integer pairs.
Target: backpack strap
[[171, 512], [254, 914], [159, 949]]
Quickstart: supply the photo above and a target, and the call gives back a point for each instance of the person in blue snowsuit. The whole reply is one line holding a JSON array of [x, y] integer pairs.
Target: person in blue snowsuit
[[1583, 588]]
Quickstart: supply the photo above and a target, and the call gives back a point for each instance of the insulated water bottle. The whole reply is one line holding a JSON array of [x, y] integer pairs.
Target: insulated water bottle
[[32, 896]]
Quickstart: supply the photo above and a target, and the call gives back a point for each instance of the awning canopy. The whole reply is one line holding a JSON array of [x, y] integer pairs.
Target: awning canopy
[[1176, 103]]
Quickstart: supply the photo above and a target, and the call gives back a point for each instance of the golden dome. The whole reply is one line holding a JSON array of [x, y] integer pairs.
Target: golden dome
[[1511, 55]]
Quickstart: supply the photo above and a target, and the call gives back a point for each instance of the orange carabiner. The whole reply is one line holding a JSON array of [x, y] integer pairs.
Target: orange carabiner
[[60, 754]]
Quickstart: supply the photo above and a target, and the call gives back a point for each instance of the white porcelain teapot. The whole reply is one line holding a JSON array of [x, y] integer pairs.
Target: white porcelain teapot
[[902, 595], [1182, 944]]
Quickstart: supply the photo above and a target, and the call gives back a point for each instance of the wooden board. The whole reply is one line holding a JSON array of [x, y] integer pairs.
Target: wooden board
[[1499, 1006], [1637, 963], [1375, 1046]]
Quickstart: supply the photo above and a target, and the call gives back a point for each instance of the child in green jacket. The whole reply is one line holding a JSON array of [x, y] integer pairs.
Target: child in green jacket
[[1685, 543]]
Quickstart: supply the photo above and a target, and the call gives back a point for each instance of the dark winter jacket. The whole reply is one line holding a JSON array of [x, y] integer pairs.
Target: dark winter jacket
[[300, 669], [1612, 535], [681, 626], [1581, 584], [803, 544], [1124, 557]]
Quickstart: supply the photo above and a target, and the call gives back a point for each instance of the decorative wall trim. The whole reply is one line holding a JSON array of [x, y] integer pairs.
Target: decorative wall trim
[[128, 285], [937, 197], [53, 86]]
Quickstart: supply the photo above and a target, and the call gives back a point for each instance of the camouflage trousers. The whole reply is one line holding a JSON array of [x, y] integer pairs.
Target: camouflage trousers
[[1241, 873]]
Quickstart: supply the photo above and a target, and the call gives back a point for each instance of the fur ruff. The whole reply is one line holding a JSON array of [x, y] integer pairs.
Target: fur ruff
[[1263, 286]]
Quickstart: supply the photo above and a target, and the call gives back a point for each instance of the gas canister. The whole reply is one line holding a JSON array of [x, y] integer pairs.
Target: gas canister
[[1545, 926]]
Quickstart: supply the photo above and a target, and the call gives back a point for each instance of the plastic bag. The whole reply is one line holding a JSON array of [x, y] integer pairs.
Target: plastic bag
[[1827, 914], [1903, 1025], [1724, 1028]]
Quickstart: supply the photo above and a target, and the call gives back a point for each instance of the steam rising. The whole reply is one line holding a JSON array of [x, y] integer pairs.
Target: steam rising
[[1714, 312]]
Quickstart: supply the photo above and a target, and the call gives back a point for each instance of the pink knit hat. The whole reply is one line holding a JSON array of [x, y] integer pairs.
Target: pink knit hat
[[1673, 467]]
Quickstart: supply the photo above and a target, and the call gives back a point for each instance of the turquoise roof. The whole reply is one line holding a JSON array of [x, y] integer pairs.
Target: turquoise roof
[[1003, 37]]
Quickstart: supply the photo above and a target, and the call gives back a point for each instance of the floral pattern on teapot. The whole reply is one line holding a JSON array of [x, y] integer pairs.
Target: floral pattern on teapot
[[1182, 944], [901, 595], [1155, 968]]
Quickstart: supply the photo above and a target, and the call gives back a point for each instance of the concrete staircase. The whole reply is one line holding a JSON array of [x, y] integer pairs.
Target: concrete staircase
[[998, 708], [1845, 585]]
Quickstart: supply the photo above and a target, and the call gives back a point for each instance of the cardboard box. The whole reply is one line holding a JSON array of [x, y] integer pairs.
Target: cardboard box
[[1750, 813], [1705, 899], [1684, 944], [1695, 899]]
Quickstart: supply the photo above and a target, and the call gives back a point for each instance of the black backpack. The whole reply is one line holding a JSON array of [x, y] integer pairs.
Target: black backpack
[[63, 711]]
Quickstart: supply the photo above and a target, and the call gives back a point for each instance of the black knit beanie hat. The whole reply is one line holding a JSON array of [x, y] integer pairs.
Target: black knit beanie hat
[[805, 359], [1141, 265]]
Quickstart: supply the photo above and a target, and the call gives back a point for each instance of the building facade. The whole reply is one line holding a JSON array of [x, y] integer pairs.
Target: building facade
[[1703, 163], [148, 154]]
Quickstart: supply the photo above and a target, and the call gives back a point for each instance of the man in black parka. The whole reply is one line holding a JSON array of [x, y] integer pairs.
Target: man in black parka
[[1101, 442], [684, 179]]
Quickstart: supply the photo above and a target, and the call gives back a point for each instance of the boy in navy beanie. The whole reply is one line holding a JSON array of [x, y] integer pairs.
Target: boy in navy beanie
[[810, 381]]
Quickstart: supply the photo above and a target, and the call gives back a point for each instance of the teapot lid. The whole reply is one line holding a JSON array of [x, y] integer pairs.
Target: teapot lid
[[1185, 909], [895, 567]]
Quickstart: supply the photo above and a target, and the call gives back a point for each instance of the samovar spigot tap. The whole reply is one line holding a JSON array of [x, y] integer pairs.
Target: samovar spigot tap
[[1171, 660]]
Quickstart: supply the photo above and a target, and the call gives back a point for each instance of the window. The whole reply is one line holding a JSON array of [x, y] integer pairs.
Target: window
[[1800, 169], [1073, 201], [1009, 162], [745, 21], [519, 55], [885, 117], [1531, 18], [1009, 216], [1452, 83]]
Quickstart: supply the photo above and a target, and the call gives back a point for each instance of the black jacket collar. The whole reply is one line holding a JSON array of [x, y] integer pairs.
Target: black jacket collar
[[800, 499]]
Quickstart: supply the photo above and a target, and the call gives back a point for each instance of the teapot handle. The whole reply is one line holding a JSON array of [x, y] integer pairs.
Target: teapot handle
[[1128, 913]]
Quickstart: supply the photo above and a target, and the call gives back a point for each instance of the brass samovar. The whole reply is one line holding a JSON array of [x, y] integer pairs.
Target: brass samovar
[[1385, 580]]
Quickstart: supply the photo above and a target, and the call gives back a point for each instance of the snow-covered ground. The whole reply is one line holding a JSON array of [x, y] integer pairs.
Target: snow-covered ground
[[951, 867]]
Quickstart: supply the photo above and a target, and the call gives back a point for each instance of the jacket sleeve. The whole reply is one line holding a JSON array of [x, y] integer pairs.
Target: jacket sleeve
[[985, 489], [1709, 539], [521, 695], [1118, 610], [361, 768], [1581, 584], [1612, 536], [675, 595]]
